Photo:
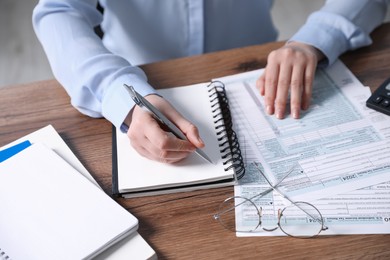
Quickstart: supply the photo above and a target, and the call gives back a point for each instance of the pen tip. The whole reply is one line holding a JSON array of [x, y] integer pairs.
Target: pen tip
[[207, 158]]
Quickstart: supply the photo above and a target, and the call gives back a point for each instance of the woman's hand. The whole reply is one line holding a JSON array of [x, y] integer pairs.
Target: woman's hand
[[151, 141], [289, 69]]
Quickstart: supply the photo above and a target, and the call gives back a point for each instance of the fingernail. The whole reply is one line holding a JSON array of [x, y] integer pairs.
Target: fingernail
[[269, 110], [295, 114], [279, 114]]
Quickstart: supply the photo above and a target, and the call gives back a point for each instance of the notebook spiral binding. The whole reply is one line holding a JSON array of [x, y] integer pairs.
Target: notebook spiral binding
[[227, 138]]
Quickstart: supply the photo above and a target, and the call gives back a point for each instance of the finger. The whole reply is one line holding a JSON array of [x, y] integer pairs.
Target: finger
[[189, 130], [271, 82], [150, 151], [192, 133], [308, 85], [164, 146], [172, 144], [154, 143], [168, 157], [282, 90], [260, 84], [166, 141], [296, 89]]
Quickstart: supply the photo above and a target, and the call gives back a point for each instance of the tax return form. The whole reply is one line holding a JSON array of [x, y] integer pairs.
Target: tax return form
[[339, 149]]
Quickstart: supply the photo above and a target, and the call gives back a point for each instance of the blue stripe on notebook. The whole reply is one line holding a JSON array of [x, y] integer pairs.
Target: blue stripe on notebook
[[11, 151]]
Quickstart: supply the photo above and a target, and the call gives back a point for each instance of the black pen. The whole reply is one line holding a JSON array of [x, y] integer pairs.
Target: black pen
[[143, 103]]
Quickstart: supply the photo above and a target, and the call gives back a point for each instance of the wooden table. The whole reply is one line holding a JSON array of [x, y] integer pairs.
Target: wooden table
[[180, 226]]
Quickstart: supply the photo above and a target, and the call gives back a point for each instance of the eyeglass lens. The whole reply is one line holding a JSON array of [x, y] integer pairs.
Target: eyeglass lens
[[250, 215], [300, 219]]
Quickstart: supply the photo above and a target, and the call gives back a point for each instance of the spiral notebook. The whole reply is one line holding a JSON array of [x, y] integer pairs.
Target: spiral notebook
[[205, 105]]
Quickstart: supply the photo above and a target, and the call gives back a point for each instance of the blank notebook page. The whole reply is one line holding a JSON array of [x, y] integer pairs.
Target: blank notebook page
[[139, 173], [50, 211]]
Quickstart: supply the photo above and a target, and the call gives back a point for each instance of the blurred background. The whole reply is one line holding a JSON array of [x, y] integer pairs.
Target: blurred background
[[22, 58]]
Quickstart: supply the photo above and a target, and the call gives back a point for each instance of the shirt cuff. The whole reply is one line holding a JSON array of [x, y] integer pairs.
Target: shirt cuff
[[331, 34], [117, 102]]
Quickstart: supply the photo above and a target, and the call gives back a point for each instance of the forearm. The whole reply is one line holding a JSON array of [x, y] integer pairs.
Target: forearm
[[341, 26], [92, 76]]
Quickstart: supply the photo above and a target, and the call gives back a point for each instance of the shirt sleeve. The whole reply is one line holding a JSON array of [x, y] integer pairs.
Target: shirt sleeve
[[340, 26], [92, 76]]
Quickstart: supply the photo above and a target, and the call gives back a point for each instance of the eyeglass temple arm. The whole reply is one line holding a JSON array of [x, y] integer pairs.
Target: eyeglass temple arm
[[266, 191], [216, 216], [279, 182], [275, 187], [260, 194]]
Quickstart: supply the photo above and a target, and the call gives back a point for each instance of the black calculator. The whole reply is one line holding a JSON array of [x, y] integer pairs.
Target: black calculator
[[380, 99]]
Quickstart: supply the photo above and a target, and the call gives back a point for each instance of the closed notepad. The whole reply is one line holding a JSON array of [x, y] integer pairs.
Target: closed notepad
[[50, 211], [205, 105]]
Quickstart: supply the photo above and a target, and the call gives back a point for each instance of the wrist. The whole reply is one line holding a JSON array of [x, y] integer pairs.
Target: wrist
[[308, 48]]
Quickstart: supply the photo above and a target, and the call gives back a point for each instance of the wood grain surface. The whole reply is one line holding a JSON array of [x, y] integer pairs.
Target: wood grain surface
[[180, 226]]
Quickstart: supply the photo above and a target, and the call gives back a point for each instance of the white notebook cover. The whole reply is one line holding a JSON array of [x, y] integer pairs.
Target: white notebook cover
[[133, 246], [59, 213]]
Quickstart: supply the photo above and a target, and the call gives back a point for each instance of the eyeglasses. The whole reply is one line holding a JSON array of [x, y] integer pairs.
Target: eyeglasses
[[299, 219]]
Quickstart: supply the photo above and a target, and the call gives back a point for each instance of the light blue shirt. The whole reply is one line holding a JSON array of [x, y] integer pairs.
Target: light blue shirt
[[137, 32]]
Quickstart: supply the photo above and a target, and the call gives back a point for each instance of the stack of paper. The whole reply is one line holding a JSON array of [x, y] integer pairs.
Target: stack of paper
[[339, 151], [51, 211]]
